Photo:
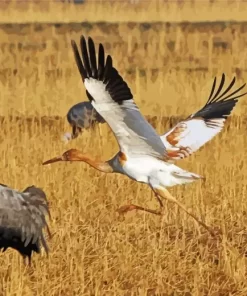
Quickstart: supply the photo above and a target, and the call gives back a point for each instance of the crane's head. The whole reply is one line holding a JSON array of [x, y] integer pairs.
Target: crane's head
[[69, 155], [76, 155]]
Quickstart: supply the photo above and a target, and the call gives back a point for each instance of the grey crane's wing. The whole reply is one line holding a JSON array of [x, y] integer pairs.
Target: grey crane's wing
[[83, 114], [113, 100], [22, 216], [192, 133]]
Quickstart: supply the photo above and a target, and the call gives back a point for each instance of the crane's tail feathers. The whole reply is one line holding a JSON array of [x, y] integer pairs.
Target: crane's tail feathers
[[183, 177]]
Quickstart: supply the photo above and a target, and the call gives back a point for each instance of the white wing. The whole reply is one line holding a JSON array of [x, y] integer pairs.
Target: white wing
[[112, 99], [191, 134]]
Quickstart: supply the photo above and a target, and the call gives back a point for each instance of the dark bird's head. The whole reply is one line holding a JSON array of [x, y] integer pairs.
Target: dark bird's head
[[35, 191]]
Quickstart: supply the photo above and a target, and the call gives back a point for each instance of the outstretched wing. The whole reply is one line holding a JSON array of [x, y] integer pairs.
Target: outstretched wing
[[192, 133], [113, 100], [22, 219]]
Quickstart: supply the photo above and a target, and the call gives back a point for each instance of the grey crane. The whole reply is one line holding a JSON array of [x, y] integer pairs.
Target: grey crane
[[82, 116], [23, 219]]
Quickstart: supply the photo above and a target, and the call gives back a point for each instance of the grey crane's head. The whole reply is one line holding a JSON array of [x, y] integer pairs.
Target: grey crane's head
[[33, 190]]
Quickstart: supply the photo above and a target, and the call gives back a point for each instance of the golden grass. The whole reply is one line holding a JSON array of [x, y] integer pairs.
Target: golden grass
[[16, 11], [93, 251]]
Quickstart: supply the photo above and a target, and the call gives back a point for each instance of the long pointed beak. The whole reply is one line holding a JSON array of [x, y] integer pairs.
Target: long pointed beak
[[55, 159]]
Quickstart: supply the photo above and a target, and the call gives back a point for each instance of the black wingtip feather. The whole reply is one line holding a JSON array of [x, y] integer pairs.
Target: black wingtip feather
[[101, 62], [92, 58], [85, 56], [78, 60], [221, 104], [105, 72], [219, 89], [218, 95], [212, 90], [227, 89], [108, 69], [236, 91], [239, 96], [221, 109]]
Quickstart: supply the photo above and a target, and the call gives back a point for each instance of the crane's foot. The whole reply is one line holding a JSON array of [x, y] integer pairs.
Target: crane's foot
[[127, 208]]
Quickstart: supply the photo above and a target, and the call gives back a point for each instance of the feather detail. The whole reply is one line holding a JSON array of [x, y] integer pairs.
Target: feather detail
[[192, 133]]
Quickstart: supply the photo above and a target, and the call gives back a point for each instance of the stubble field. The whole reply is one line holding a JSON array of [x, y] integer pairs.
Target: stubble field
[[93, 251]]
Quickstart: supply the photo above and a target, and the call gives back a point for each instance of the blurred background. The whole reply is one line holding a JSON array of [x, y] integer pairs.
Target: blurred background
[[150, 40]]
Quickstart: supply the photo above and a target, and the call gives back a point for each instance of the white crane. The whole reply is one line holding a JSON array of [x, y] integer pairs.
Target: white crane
[[145, 156]]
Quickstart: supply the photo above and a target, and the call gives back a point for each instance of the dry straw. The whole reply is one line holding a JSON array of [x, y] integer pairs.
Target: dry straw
[[93, 251]]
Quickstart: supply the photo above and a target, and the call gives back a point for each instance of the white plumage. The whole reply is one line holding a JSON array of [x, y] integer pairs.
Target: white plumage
[[144, 155]]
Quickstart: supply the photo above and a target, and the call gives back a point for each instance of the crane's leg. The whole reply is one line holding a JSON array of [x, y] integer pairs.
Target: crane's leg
[[131, 207], [157, 196], [166, 194]]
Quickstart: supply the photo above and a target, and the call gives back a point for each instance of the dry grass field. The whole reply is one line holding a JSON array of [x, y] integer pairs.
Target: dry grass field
[[93, 251], [53, 11]]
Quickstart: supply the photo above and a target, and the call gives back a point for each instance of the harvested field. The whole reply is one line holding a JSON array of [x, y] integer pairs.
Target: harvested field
[[177, 46], [167, 63], [50, 11], [170, 68]]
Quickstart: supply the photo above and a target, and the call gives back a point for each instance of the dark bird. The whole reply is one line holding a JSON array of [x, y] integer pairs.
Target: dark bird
[[22, 220], [145, 156], [82, 116]]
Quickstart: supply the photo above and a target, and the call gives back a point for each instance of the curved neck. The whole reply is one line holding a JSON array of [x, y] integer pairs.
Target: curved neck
[[103, 166]]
